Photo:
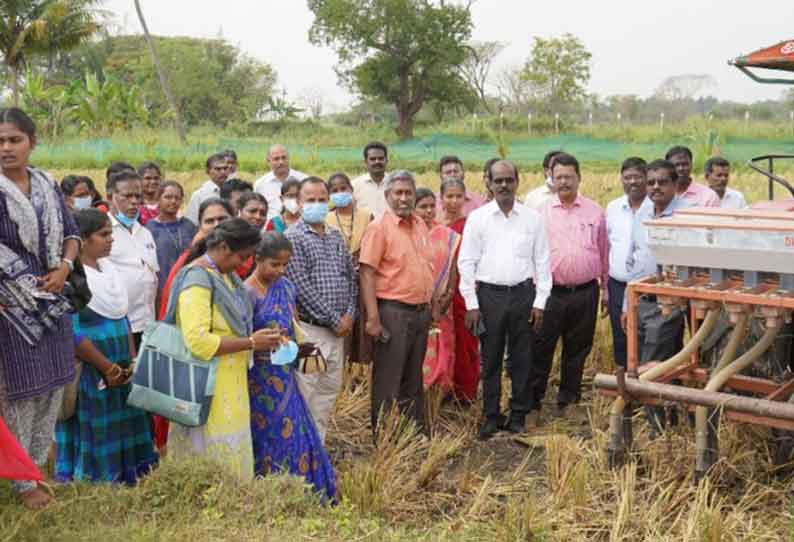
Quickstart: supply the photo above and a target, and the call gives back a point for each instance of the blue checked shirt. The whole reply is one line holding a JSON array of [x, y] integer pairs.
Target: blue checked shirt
[[322, 271]]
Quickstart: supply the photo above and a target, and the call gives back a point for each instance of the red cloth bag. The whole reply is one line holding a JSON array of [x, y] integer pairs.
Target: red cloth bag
[[14, 461]]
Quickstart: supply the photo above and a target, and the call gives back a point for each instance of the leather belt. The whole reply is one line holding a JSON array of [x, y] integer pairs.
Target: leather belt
[[560, 289], [405, 306], [503, 288]]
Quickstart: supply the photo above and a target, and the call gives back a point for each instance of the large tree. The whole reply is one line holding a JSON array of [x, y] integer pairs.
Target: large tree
[[42, 27], [558, 69], [406, 52]]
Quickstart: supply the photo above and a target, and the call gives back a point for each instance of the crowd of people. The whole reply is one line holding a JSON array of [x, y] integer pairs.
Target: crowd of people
[[434, 290]]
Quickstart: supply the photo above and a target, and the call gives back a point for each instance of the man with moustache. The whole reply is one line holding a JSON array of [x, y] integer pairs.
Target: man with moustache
[[620, 226], [451, 167], [696, 194], [397, 290], [505, 281], [269, 185], [718, 172], [134, 253], [659, 337], [369, 189], [576, 229], [218, 171]]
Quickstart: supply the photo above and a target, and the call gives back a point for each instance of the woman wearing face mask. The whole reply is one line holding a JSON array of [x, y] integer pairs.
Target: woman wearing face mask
[[352, 220], [78, 192], [105, 440], [290, 210]]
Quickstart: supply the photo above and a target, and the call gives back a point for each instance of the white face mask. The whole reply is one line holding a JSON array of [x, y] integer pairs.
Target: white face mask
[[82, 203], [291, 205]]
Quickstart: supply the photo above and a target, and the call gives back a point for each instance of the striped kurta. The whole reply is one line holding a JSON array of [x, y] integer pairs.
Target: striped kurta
[[30, 371], [105, 440]]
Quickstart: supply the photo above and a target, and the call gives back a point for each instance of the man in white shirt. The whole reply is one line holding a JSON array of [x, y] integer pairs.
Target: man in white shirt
[[544, 193], [505, 280], [134, 253], [269, 185], [369, 188], [718, 172], [620, 221], [218, 171]]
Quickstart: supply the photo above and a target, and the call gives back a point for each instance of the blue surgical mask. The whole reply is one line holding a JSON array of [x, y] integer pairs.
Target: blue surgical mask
[[126, 221], [341, 199], [285, 354], [82, 203], [315, 213]]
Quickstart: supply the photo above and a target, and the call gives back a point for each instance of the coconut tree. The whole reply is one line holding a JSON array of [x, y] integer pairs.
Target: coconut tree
[[180, 128], [31, 27]]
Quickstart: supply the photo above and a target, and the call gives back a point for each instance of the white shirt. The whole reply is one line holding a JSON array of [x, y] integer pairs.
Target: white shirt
[[539, 197], [504, 250], [620, 224], [270, 186], [134, 256], [370, 194], [206, 191], [733, 199]]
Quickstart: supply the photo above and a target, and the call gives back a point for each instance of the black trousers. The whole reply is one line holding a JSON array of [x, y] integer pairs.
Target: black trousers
[[617, 291], [572, 316], [397, 365], [505, 315]]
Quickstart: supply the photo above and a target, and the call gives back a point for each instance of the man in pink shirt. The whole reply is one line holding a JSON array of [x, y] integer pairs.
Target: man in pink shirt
[[451, 167], [698, 195], [579, 247]]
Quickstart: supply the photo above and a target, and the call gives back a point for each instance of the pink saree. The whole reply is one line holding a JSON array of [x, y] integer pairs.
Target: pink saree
[[439, 364]]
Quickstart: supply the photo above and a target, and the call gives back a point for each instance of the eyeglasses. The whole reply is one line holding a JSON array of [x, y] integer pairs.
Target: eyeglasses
[[660, 182], [130, 195]]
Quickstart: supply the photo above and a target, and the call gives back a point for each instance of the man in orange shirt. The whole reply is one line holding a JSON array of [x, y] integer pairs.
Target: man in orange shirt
[[397, 290]]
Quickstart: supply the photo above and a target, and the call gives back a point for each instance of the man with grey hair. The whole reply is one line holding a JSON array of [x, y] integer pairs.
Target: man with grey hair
[[269, 185], [397, 291]]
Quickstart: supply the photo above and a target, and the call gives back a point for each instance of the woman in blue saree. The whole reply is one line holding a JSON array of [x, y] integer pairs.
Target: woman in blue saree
[[284, 435]]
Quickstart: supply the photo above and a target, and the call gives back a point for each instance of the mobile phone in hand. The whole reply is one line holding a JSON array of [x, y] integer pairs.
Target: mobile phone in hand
[[384, 336]]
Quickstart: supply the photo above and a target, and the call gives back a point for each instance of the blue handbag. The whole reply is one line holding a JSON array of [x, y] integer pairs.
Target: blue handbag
[[168, 380]]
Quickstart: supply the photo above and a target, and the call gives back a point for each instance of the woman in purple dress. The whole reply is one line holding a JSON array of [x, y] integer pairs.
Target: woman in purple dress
[[284, 434], [39, 242]]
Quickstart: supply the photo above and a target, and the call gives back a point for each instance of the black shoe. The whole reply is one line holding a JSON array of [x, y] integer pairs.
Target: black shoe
[[489, 429], [515, 425]]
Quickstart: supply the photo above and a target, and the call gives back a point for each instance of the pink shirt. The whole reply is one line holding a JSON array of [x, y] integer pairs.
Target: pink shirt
[[699, 195], [577, 241], [471, 202]]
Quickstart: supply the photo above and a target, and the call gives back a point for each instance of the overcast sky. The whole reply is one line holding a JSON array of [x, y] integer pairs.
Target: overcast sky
[[635, 45]]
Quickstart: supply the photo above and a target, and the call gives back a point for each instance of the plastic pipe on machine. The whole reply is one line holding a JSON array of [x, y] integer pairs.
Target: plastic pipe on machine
[[616, 413], [717, 381]]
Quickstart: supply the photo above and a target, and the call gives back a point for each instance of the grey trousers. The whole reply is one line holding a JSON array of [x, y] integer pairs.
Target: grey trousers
[[32, 422]]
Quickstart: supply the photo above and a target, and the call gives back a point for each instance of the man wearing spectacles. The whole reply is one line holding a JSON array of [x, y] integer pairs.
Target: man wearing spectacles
[[134, 253]]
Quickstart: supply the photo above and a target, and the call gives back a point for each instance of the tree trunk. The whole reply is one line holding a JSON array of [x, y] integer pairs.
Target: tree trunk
[[180, 129], [405, 123], [13, 75]]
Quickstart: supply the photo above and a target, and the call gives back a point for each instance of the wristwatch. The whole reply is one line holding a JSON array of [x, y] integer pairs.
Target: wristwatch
[[69, 263]]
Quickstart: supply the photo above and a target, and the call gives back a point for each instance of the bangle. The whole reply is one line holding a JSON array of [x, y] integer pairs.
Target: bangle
[[253, 345], [69, 263]]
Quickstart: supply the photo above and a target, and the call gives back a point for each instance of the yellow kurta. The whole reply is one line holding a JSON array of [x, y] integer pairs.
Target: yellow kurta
[[357, 222], [227, 433]]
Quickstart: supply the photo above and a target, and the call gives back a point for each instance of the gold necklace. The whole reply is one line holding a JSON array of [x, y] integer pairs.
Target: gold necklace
[[259, 283]]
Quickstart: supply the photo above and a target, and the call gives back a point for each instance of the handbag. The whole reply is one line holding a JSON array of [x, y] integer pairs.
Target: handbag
[[69, 401], [311, 359], [168, 380]]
